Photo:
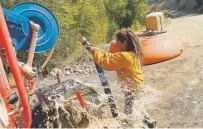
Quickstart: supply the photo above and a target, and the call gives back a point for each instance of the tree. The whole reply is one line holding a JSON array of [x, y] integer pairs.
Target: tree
[[116, 12], [124, 14], [136, 11]]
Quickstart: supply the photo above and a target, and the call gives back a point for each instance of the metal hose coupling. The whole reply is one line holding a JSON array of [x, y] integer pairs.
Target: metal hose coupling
[[85, 42], [27, 71]]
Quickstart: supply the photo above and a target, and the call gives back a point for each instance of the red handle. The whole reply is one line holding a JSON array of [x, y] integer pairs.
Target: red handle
[[82, 103], [6, 43]]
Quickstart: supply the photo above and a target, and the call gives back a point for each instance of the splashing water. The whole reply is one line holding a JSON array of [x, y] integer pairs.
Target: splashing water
[[149, 95], [99, 113]]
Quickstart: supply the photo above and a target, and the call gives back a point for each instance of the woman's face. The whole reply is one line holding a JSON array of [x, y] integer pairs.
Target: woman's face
[[121, 46]]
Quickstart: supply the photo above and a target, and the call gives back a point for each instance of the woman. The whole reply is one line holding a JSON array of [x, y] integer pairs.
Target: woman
[[125, 57]]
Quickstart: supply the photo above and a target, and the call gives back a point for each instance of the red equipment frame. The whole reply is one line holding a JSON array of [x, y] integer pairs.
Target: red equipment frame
[[6, 43]]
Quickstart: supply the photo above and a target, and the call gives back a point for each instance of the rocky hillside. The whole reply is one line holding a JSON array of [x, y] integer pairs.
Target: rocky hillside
[[177, 5]]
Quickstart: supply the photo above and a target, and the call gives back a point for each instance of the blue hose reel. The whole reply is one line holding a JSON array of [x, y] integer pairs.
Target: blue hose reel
[[18, 22]]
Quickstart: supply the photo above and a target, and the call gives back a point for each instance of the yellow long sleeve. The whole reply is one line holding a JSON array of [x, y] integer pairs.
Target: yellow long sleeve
[[128, 68], [109, 61]]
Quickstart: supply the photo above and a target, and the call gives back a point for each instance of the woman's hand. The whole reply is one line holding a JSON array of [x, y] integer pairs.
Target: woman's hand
[[91, 49]]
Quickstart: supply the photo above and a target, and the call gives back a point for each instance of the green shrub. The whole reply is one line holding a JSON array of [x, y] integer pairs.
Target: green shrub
[[167, 13]]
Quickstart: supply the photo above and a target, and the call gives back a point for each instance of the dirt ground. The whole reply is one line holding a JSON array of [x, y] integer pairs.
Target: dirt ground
[[180, 80]]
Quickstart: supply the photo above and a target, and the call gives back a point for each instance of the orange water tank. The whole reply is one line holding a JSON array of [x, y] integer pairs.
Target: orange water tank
[[160, 48], [156, 49]]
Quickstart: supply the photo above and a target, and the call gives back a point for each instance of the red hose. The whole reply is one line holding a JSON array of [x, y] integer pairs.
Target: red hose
[[82, 103], [6, 42]]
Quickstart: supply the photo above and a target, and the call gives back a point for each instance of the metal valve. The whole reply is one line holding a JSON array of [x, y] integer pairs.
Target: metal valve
[[27, 71]]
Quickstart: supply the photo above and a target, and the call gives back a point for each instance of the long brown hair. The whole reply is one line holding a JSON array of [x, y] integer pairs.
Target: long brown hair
[[133, 43]]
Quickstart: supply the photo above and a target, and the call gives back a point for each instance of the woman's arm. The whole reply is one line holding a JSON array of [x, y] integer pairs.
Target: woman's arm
[[110, 61]]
